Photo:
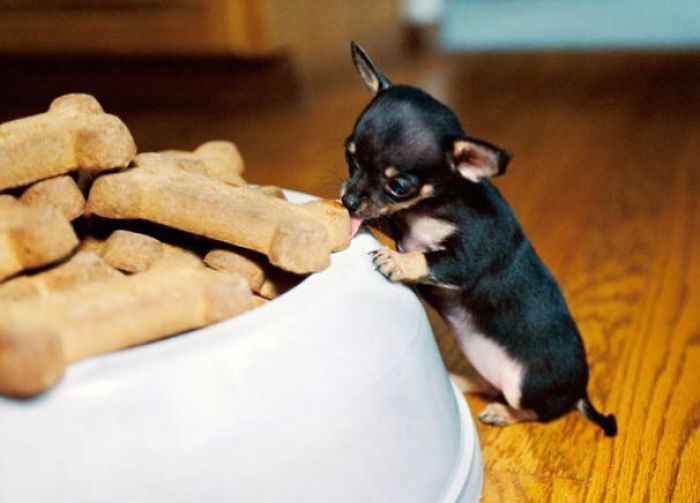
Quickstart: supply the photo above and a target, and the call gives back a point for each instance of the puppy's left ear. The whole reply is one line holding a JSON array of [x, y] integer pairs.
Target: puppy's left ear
[[476, 159], [372, 76]]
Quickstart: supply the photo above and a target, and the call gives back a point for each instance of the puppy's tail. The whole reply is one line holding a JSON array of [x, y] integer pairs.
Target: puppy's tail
[[608, 423]]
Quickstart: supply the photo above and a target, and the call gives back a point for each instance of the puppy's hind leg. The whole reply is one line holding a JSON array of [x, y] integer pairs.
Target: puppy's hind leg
[[500, 414], [470, 381]]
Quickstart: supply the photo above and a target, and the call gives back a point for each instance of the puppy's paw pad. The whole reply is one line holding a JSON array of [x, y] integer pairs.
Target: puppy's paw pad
[[496, 414]]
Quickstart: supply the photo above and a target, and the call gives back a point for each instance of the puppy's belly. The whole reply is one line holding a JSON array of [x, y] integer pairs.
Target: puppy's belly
[[486, 355]]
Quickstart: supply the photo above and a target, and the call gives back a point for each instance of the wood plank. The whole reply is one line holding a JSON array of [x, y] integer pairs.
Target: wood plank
[[517, 487]]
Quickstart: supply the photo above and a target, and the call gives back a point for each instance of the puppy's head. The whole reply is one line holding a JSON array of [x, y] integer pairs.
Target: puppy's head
[[407, 147]]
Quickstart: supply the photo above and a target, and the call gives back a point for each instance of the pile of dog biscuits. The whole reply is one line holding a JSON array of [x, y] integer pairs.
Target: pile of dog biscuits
[[102, 248]]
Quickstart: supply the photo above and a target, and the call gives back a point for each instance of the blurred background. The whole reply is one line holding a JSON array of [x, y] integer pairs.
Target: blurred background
[[233, 57], [598, 99], [275, 75]]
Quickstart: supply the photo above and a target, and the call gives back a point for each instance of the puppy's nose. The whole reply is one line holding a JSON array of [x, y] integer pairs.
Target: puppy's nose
[[351, 202]]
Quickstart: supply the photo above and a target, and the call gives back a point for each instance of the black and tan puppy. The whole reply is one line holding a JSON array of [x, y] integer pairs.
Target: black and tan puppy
[[413, 166]]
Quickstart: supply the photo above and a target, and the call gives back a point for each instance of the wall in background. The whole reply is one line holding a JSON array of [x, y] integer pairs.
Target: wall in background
[[570, 24]]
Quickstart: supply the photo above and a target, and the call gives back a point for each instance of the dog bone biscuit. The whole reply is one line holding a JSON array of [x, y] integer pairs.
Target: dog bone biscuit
[[61, 192], [171, 256], [336, 219], [222, 153], [83, 267], [32, 236], [188, 162], [231, 261], [266, 281], [291, 238], [272, 191], [293, 244], [175, 257], [217, 159], [38, 337], [74, 133], [8, 202], [278, 282], [91, 244], [131, 252], [259, 301]]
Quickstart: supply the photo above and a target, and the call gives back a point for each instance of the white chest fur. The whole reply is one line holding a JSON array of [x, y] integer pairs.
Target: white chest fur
[[425, 234], [486, 356]]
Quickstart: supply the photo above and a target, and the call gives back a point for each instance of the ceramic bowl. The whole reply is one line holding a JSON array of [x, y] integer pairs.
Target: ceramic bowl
[[334, 392]]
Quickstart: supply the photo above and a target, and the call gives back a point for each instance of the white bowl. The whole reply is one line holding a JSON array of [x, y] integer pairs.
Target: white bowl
[[334, 392]]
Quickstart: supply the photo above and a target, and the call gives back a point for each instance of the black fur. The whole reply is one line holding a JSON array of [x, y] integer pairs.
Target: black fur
[[488, 265]]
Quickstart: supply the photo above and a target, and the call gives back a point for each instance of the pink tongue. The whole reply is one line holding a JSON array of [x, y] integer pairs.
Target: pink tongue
[[355, 223]]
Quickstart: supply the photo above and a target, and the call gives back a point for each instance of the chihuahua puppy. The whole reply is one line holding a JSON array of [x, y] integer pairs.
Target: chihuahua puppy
[[413, 166]]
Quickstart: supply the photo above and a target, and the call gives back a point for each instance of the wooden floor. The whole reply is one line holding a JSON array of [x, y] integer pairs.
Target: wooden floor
[[606, 180]]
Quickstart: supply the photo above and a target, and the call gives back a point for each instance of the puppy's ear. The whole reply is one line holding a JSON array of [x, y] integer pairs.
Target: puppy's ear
[[372, 76], [476, 159]]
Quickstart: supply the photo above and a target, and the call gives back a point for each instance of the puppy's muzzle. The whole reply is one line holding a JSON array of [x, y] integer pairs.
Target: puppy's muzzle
[[351, 202]]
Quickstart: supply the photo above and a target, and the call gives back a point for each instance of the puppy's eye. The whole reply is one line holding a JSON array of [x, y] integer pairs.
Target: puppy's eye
[[400, 188]]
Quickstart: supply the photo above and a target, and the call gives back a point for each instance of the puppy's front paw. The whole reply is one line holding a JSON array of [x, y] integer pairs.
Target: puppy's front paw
[[395, 266], [388, 263]]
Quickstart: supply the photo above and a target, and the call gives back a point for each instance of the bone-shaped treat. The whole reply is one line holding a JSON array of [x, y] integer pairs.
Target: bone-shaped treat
[[231, 261], [75, 133], [32, 236], [292, 238], [330, 212], [335, 218], [7, 202], [176, 257], [267, 281], [131, 251], [92, 244], [278, 282], [134, 252], [259, 301], [61, 192], [217, 159], [272, 191], [83, 267], [39, 337]]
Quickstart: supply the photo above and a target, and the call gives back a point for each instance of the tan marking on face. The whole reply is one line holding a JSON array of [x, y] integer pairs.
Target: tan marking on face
[[427, 190], [391, 172], [392, 208], [352, 148]]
